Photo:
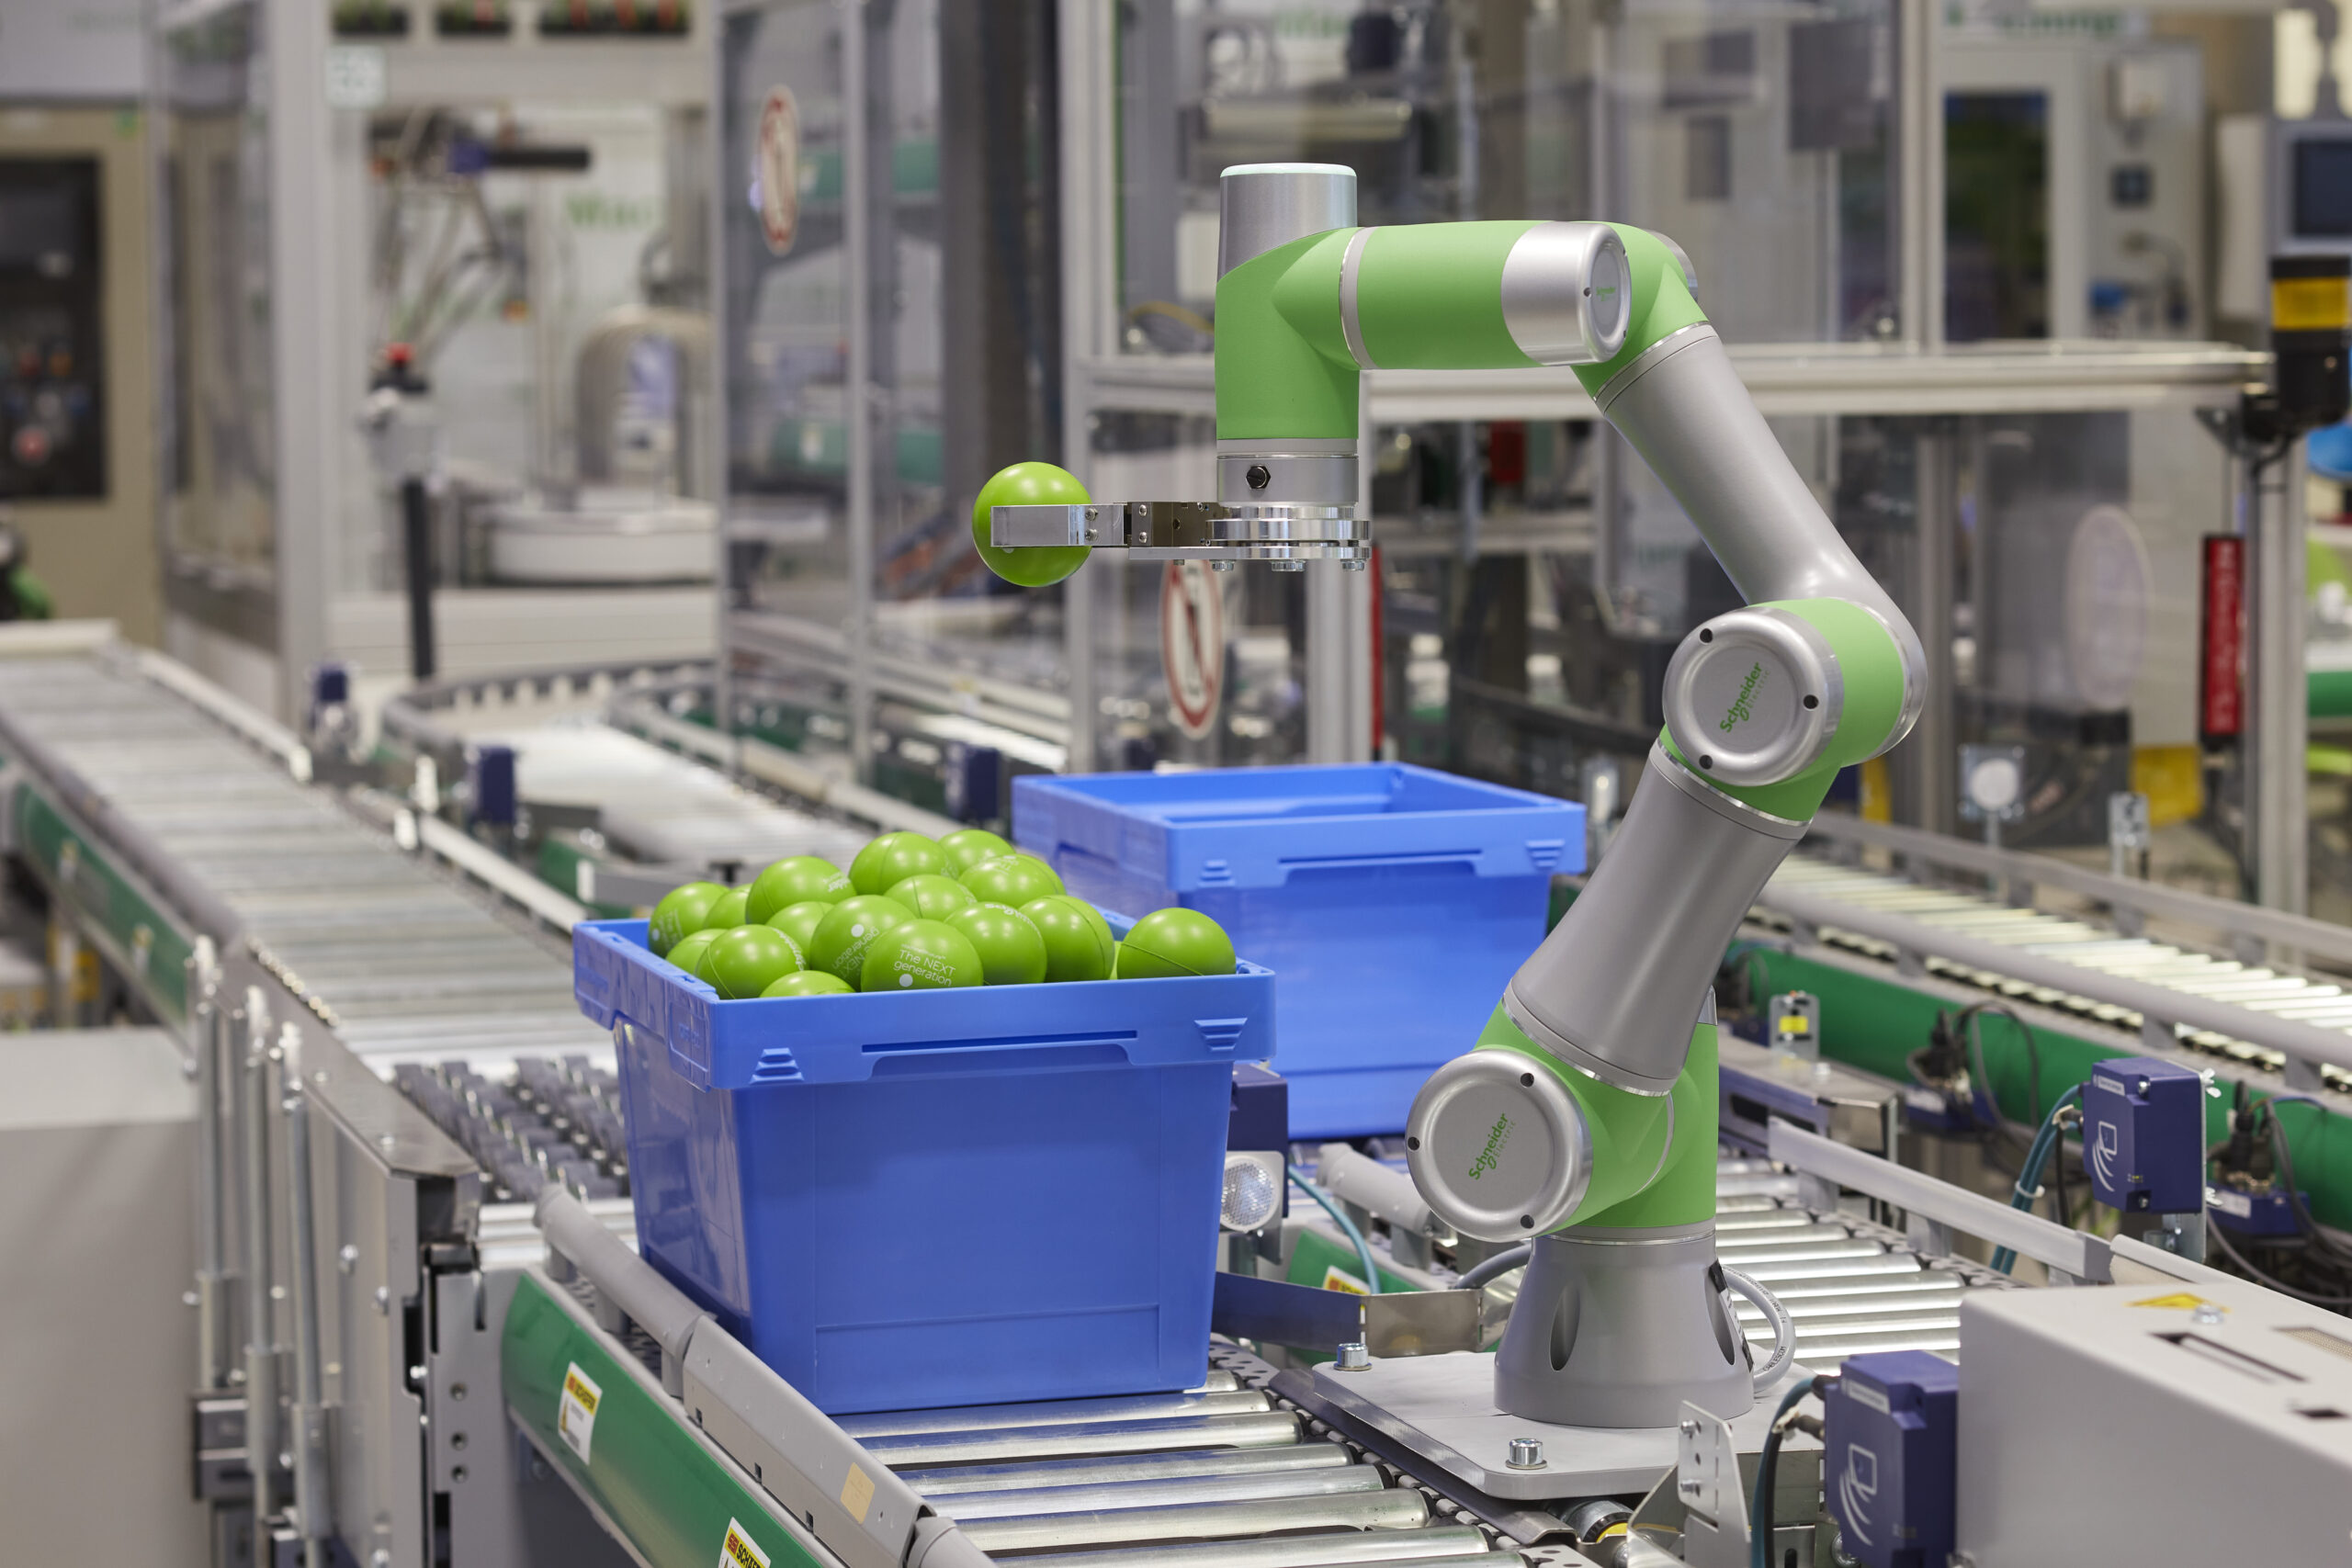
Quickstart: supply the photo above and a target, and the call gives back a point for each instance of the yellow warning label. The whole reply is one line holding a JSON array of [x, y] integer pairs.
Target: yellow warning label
[[738, 1549], [2311, 304], [857, 1494], [1338, 1278], [2180, 1300], [575, 1410]]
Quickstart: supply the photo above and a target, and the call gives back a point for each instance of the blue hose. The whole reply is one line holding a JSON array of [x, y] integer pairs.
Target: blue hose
[[1767, 1470], [2046, 1140], [1347, 1228]]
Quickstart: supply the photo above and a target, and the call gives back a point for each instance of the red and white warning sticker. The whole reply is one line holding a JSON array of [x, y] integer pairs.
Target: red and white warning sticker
[[1192, 644], [777, 175]]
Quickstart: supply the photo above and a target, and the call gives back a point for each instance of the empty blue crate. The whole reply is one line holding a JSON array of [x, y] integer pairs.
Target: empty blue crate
[[1393, 903], [930, 1197]]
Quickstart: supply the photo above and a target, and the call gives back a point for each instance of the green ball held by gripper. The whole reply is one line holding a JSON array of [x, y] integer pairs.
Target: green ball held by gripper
[[1029, 484]]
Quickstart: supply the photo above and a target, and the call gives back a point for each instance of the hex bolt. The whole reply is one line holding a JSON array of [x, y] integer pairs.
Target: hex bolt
[[1687, 1428], [2208, 1314], [1221, 565], [1526, 1453], [1290, 565], [1259, 476], [1352, 564], [346, 1257], [1353, 1358]]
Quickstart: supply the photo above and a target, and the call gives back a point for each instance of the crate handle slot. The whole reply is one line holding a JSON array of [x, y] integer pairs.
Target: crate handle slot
[[997, 1056]]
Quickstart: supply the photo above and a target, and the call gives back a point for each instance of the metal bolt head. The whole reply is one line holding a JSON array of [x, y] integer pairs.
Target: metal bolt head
[[1352, 564], [1221, 565], [1526, 1453], [1259, 476], [1353, 1358], [346, 1257], [384, 1299], [2208, 1314], [1687, 1428], [1289, 565]]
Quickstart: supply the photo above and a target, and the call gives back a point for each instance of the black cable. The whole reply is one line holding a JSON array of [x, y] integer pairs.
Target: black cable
[[1501, 1263], [2286, 1179], [1975, 1036], [2264, 1277], [2058, 1175], [1768, 1468]]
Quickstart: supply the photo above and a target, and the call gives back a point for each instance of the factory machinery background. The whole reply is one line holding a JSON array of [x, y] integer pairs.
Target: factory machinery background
[[412, 1196]]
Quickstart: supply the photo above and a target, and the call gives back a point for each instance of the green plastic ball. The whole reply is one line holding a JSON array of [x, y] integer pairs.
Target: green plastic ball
[[839, 947], [688, 951], [921, 955], [727, 912], [794, 880], [930, 896], [891, 859], [1011, 879], [680, 913], [1077, 948], [1169, 943], [968, 847], [811, 982], [748, 960], [1012, 949], [1029, 484], [1094, 918], [799, 921]]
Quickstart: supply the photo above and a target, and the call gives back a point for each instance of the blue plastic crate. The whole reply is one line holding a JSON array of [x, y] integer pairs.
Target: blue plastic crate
[[859, 1186], [1394, 902]]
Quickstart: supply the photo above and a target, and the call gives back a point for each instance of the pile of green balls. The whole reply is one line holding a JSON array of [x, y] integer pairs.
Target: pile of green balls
[[915, 913]]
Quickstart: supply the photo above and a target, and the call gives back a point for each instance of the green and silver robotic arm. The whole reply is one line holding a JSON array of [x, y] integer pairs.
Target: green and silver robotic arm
[[1585, 1117]]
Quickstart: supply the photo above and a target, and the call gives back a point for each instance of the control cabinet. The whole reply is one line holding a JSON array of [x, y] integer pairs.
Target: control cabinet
[[53, 392]]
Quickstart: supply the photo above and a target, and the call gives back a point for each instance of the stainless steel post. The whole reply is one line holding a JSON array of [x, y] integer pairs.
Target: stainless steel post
[[857, 412], [205, 1034], [313, 1521], [2278, 732], [1929, 750], [66, 960], [261, 1346]]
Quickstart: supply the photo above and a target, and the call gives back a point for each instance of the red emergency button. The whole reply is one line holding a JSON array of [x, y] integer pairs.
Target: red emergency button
[[30, 445]]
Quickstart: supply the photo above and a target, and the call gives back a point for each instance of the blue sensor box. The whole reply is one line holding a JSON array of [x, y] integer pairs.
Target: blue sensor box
[[1891, 1470], [2143, 1135]]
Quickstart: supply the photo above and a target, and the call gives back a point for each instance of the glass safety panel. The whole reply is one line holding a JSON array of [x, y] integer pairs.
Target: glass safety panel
[[222, 473]]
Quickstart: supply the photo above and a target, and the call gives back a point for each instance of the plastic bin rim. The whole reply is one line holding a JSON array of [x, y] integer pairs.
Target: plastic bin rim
[[1504, 798]]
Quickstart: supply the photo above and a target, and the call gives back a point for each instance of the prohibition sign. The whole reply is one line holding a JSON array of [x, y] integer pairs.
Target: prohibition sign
[[1192, 644]]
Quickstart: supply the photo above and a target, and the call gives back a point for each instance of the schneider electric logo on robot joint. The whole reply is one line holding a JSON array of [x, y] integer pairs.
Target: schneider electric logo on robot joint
[[1740, 711], [1496, 1136]]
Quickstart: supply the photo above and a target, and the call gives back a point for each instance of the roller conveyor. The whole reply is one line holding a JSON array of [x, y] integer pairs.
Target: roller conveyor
[[370, 934], [2256, 1005]]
